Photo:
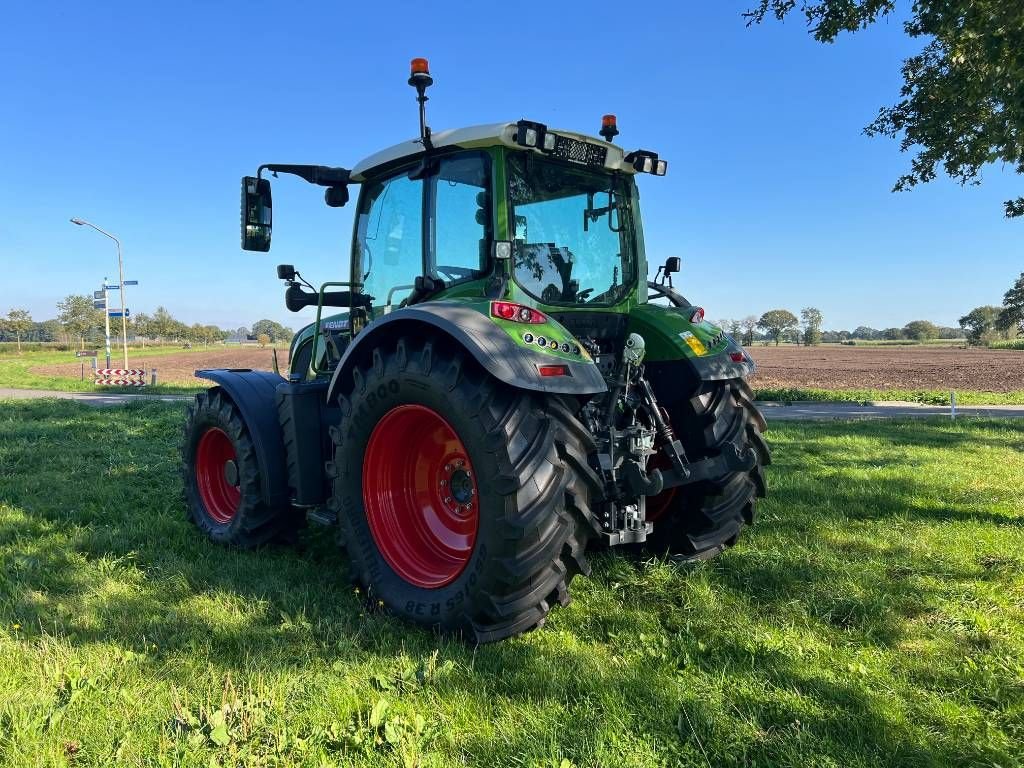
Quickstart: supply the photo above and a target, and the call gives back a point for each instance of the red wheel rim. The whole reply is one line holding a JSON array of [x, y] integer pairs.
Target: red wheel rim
[[217, 475], [419, 492]]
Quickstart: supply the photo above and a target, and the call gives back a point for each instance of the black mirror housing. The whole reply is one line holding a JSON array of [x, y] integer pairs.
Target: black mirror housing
[[285, 272], [672, 265], [257, 214]]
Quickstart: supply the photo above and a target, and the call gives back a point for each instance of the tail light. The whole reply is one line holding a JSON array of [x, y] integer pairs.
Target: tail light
[[697, 316], [553, 370], [517, 313]]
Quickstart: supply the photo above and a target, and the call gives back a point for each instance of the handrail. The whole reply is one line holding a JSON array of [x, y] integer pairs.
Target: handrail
[[319, 310]]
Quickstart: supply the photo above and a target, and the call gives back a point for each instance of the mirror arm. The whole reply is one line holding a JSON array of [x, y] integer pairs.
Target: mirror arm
[[321, 175]]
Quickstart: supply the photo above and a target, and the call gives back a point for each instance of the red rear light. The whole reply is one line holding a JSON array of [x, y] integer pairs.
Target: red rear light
[[517, 313], [553, 370], [698, 315], [737, 357]]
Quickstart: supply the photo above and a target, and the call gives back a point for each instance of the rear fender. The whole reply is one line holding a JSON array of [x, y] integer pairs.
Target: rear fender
[[255, 395], [488, 343]]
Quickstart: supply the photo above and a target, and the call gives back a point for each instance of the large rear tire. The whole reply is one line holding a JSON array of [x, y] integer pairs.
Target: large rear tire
[[459, 498], [221, 475], [700, 520]]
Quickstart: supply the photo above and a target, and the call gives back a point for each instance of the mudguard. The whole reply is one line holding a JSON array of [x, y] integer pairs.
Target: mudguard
[[255, 394], [489, 344]]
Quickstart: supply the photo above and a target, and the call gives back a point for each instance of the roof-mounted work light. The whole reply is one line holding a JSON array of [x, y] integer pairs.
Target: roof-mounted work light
[[534, 135], [645, 161]]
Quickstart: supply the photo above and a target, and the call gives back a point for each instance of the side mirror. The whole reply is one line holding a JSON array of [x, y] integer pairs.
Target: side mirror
[[672, 265], [257, 214], [285, 272]]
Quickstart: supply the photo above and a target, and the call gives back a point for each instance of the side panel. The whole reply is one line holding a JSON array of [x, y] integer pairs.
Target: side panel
[[500, 350], [255, 394]]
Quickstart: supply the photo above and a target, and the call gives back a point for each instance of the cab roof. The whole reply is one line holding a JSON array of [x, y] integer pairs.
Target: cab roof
[[480, 136]]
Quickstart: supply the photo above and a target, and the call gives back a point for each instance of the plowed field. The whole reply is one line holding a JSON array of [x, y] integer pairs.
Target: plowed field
[[826, 367], [924, 368]]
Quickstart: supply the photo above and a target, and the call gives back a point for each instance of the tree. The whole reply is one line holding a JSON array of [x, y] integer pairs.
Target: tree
[[980, 323], [893, 334], [78, 316], [960, 106], [777, 322], [921, 330], [275, 331], [812, 319], [19, 322], [866, 333], [1011, 318], [748, 324], [263, 339]]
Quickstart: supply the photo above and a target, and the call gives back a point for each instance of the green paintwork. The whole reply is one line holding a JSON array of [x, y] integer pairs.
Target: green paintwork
[[662, 327]]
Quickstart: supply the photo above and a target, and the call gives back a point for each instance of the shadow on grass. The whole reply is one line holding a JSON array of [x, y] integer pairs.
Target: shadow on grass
[[96, 549]]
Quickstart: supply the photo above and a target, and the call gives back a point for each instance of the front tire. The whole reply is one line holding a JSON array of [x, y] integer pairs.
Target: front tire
[[699, 521], [456, 506]]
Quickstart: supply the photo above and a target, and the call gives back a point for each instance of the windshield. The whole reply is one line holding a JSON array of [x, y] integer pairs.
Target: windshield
[[574, 241]]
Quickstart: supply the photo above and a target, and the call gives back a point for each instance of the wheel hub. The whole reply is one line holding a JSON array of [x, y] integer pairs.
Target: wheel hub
[[420, 497]]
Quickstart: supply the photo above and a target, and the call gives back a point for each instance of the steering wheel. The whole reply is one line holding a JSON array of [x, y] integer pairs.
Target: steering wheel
[[455, 272]]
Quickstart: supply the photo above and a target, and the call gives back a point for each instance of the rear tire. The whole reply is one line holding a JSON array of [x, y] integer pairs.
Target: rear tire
[[489, 568], [699, 521], [225, 502]]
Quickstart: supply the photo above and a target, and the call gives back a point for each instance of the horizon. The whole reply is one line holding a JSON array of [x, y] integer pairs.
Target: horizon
[[141, 121]]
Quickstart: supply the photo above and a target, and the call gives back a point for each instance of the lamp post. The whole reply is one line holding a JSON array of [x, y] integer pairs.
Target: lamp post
[[120, 270]]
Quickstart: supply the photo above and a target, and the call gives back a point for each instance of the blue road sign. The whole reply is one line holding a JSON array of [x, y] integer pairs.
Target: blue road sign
[[99, 304], [97, 294], [131, 282], [112, 287], [117, 313]]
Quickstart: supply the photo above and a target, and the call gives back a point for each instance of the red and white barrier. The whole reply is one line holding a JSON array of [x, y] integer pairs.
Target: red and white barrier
[[121, 377]]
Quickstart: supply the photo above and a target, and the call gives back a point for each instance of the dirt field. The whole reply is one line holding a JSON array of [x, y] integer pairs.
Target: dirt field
[[917, 368], [178, 368], [831, 367]]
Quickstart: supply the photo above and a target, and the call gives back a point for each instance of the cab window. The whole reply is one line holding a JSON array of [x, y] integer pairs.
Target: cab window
[[460, 221], [389, 238]]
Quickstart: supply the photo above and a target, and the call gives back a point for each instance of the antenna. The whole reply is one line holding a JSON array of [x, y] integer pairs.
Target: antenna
[[420, 79]]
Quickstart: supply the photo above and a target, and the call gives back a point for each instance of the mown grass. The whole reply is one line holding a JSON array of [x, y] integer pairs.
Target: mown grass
[[873, 617], [16, 372], [927, 397]]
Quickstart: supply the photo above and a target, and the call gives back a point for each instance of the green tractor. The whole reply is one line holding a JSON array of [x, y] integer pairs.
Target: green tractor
[[502, 390]]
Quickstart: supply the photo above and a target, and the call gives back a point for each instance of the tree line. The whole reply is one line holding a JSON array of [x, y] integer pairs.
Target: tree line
[[78, 322], [981, 325]]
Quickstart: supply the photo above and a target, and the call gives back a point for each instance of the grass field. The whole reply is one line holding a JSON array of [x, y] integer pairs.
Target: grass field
[[927, 396], [874, 616]]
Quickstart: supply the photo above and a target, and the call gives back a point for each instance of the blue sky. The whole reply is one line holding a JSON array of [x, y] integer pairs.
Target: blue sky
[[142, 118]]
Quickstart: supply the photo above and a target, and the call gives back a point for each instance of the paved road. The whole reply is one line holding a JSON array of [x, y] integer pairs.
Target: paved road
[[882, 410], [89, 398], [772, 411]]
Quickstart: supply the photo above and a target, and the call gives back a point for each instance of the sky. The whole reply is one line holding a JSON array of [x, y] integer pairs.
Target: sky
[[142, 117]]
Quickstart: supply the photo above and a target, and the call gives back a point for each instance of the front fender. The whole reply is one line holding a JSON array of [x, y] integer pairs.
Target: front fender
[[670, 336], [490, 345], [255, 395]]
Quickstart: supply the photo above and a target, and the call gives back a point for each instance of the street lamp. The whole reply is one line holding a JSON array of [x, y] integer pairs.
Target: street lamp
[[120, 269]]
